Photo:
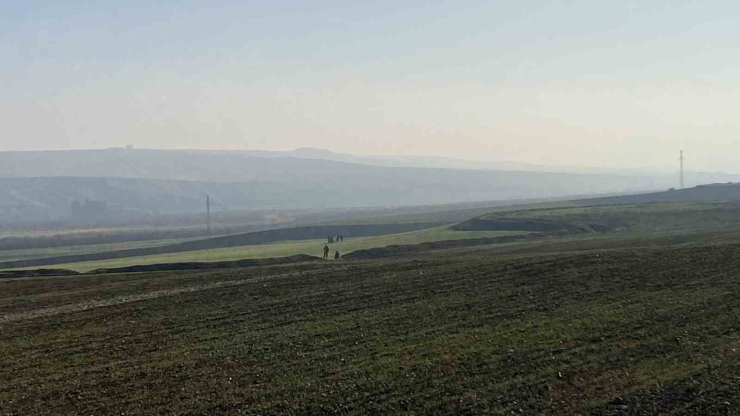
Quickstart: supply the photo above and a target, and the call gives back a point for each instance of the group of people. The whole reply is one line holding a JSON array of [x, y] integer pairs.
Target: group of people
[[337, 238], [326, 253]]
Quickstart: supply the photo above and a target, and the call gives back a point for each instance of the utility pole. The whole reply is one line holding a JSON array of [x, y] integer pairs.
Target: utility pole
[[208, 214], [681, 159]]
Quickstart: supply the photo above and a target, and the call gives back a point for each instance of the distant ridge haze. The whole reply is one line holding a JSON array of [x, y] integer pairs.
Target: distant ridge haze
[[43, 185], [419, 161], [255, 165], [241, 166]]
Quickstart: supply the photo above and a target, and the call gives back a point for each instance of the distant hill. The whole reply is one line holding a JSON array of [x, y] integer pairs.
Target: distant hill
[[41, 185], [592, 218], [51, 198], [240, 166], [226, 166], [408, 161], [44, 185], [711, 192], [666, 179], [706, 206]]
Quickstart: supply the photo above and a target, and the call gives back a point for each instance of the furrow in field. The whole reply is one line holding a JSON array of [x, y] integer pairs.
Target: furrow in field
[[82, 306]]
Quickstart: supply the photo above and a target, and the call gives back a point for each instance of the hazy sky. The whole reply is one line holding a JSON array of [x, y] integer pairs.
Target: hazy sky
[[582, 82]]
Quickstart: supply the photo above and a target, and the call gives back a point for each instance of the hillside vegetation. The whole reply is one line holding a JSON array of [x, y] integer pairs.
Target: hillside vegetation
[[668, 221], [610, 218], [215, 243], [282, 249], [710, 192]]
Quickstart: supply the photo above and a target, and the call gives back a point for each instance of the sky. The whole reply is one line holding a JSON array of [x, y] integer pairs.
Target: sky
[[613, 84]]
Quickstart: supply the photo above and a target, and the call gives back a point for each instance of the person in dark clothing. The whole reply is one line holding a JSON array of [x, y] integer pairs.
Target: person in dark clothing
[[326, 252], [336, 255]]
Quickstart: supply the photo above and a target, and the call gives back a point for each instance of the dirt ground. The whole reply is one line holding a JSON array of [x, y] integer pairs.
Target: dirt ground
[[619, 331]]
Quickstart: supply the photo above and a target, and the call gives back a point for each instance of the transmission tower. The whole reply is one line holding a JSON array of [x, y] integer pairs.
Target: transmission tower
[[681, 160], [208, 214]]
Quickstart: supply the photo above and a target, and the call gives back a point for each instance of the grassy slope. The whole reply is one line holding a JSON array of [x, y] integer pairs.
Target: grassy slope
[[650, 331], [653, 218], [397, 215], [434, 214], [36, 253], [714, 192], [644, 217], [311, 247]]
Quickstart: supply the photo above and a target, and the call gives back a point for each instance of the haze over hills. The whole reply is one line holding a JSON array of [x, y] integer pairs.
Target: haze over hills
[[43, 185], [406, 161], [193, 164], [67, 163], [29, 199], [426, 161]]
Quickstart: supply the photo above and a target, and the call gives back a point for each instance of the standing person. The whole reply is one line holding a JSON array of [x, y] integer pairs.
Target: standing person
[[336, 255], [326, 252]]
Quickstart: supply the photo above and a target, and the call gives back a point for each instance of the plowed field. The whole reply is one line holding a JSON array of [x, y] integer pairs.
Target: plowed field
[[626, 331]]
